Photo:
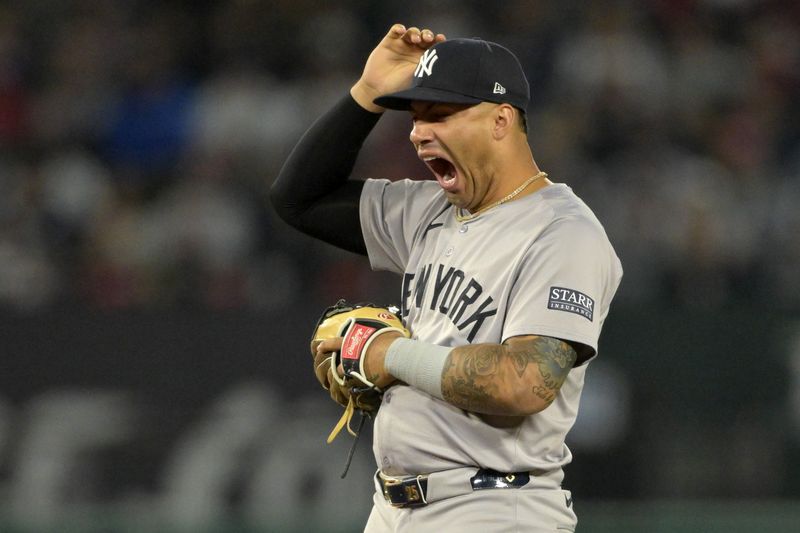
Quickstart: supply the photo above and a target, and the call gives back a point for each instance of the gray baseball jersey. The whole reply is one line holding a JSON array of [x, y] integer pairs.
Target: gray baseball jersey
[[538, 265]]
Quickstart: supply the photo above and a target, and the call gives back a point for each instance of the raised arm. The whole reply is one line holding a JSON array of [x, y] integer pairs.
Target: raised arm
[[313, 192]]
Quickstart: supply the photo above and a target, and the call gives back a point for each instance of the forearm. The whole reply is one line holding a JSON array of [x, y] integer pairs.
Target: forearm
[[313, 192], [506, 378], [519, 377]]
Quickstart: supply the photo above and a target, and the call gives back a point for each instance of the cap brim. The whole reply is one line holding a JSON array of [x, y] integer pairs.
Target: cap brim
[[401, 100]]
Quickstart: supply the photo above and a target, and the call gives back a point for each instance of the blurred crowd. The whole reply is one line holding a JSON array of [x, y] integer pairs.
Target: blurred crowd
[[138, 140]]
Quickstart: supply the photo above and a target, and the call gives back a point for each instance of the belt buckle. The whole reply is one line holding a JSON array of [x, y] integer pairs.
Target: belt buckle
[[404, 492]]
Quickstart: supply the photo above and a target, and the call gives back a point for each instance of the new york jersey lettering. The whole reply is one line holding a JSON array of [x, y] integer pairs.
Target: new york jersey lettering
[[452, 294]]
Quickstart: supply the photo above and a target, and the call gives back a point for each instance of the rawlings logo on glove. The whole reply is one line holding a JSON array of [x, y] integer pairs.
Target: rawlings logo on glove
[[359, 325]]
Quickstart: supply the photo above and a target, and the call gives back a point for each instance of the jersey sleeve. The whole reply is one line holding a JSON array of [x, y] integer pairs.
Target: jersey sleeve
[[565, 284], [391, 215]]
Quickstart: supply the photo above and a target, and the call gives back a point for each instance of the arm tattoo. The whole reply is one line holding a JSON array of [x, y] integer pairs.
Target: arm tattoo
[[554, 359], [469, 380], [476, 374]]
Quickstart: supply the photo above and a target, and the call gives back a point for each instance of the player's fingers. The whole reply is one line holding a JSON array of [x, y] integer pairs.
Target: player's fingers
[[429, 38], [396, 31], [322, 365], [424, 38], [412, 35], [329, 345]]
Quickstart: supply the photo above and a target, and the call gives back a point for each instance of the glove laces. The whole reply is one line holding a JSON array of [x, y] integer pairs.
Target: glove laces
[[344, 421]]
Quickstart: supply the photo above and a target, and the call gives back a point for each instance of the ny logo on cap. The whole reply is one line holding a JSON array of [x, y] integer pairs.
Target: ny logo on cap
[[425, 65]]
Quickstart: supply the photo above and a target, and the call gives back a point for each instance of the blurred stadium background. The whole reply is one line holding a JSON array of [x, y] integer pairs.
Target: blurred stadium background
[[154, 313]]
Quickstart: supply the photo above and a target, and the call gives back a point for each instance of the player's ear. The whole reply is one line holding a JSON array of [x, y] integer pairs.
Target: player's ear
[[504, 116]]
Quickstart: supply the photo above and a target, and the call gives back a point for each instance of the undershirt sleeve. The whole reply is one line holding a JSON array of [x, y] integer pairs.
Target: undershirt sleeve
[[313, 192]]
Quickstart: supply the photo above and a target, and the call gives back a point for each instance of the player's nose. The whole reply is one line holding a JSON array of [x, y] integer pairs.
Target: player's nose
[[420, 133]]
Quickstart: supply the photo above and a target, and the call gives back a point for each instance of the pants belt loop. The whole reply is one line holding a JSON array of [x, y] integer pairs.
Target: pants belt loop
[[422, 492]]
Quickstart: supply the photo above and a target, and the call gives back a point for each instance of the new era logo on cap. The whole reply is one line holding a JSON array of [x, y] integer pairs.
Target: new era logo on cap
[[467, 71]]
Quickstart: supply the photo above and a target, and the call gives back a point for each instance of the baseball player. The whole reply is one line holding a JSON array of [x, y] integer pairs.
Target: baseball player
[[507, 279]]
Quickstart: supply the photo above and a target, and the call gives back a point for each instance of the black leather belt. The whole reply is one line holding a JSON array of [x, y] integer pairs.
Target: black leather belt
[[404, 491], [411, 491]]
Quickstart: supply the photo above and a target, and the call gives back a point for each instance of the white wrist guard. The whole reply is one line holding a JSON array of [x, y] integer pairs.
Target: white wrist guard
[[419, 364]]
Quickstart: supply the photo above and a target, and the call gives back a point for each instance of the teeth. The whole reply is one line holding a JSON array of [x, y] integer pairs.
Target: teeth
[[428, 159]]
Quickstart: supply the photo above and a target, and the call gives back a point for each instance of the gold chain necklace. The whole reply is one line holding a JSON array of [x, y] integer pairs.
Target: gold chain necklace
[[463, 218]]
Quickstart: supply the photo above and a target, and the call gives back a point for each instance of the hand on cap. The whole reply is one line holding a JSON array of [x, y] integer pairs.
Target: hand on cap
[[391, 64]]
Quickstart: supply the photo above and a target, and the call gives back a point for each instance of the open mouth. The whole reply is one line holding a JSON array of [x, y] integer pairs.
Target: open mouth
[[444, 171]]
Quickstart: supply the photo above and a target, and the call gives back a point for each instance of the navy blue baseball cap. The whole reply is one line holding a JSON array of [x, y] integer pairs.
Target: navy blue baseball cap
[[464, 71]]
